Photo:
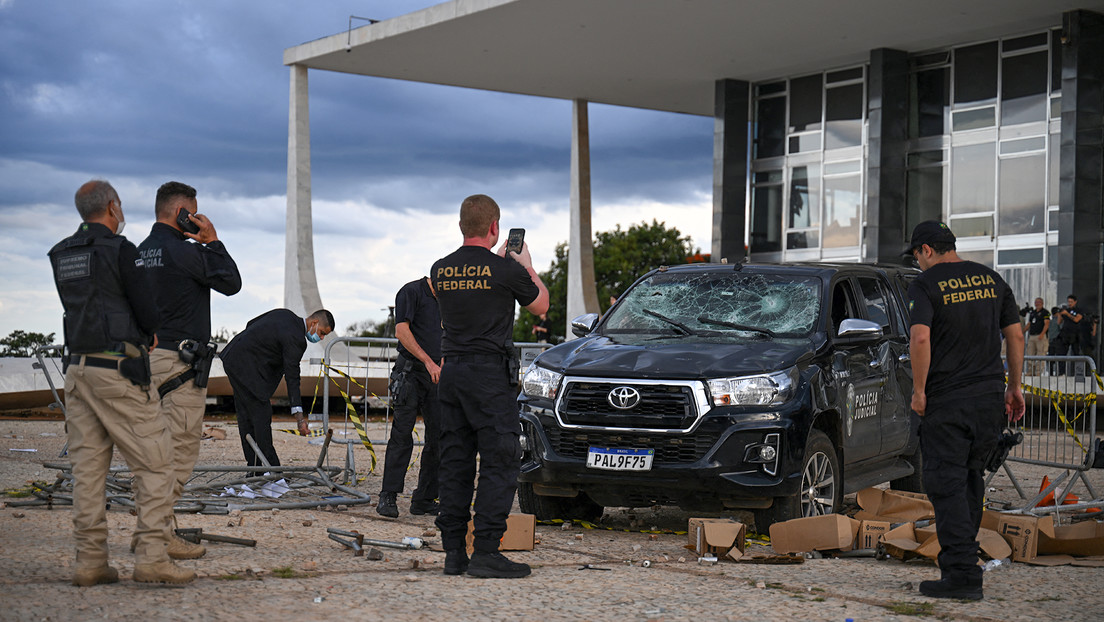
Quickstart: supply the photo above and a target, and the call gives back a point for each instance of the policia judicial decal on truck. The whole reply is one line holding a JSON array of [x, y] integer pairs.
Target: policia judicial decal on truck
[[775, 388]]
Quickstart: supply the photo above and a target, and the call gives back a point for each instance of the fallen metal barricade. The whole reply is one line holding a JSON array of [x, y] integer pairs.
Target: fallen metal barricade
[[1059, 430], [219, 489]]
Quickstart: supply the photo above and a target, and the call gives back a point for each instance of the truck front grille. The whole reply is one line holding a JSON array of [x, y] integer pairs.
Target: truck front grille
[[661, 407], [668, 450]]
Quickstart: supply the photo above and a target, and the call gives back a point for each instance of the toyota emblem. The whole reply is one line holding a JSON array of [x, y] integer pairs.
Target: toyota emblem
[[623, 398]]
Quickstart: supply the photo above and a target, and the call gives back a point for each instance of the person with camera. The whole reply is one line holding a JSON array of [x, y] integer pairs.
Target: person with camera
[[413, 389], [1037, 343], [476, 290], [185, 261], [111, 323], [270, 347], [1069, 334], [960, 309]]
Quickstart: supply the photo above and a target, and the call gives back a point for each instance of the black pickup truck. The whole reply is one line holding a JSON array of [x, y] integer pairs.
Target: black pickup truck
[[774, 388]]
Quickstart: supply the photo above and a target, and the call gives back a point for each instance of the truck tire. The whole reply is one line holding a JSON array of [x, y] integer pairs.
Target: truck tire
[[914, 482], [549, 508], [821, 489]]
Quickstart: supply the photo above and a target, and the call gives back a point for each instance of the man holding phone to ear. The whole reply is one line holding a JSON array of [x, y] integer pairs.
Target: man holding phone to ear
[[185, 260]]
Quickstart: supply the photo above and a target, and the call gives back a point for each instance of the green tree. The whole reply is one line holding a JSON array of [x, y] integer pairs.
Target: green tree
[[620, 257], [19, 343]]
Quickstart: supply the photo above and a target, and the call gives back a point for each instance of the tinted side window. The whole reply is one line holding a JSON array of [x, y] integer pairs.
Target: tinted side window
[[877, 303]]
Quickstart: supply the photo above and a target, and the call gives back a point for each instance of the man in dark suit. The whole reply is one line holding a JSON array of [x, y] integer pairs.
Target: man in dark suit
[[270, 346]]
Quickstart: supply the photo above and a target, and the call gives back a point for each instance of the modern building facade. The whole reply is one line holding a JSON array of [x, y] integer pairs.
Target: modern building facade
[[838, 126]]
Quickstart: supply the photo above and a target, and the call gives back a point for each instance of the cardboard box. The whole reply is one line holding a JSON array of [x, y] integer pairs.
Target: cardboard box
[[894, 506], [519, 536], [720, 537], [907, 541], [814, 533], [870, 533], [1020, 531], [1083, 539]]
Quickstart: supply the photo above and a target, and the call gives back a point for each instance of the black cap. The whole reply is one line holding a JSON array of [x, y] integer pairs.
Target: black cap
[[929, 232]]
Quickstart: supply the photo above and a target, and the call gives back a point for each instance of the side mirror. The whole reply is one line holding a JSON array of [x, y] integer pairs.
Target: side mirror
[[582, 325], [859, 330]]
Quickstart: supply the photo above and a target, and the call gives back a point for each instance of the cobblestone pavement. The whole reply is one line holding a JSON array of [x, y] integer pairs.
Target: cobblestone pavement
[[295, 571]]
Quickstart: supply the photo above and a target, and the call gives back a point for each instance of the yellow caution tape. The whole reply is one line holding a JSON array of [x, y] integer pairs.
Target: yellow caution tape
[[351, 410], [311, 434], [1057, 397]]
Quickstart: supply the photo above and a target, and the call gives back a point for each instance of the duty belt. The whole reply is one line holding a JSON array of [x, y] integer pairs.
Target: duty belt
[[169, 345], [94, 361], [475, 358]]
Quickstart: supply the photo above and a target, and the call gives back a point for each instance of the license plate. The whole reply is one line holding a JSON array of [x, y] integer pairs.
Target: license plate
[[617, 459]]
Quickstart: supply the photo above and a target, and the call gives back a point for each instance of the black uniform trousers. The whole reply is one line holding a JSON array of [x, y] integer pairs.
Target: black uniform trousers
[[956, 437], [478, 415], [255, 419], [418, 394]]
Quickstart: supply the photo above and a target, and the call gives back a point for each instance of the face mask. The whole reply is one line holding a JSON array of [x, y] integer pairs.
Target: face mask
[[313, 338], [122, 224]]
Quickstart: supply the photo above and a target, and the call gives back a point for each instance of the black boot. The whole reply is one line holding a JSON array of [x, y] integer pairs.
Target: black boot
[[947, 588], [456, 561], [496, 566], [419, 507], [386, 506]]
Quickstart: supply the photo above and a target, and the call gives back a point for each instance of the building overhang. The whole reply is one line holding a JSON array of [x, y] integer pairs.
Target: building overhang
[[656, 54]]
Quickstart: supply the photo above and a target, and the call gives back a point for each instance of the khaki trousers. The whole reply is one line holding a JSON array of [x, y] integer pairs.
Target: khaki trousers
[[1035, 345], [104, 410], [183, 410]]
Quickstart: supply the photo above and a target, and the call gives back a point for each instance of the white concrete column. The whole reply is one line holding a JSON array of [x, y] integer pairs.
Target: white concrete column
[[300, 282], [582, 296]]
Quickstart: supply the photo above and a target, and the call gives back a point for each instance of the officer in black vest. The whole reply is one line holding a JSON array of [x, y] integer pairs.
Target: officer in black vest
[[476, 290], [185, 261], [110, 325]]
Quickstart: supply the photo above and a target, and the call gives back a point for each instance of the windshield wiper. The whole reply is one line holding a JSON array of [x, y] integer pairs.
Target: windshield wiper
[[716, 322], [677, 324]]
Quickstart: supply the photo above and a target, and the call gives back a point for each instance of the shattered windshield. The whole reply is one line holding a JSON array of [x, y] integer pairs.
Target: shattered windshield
[[718, 304]]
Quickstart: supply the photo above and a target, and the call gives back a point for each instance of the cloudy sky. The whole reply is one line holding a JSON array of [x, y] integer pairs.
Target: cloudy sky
[[140, 92]]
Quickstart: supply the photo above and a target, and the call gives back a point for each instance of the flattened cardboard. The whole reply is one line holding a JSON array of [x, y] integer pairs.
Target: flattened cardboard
[[900, 542], [893, 505], [814, 533], [1021, 532], [519, 536], [870, 533], [906, 541], [1083, 540], [721, 537]]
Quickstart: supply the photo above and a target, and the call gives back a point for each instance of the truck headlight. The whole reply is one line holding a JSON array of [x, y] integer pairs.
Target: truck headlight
[[760, 390], [540, 382]]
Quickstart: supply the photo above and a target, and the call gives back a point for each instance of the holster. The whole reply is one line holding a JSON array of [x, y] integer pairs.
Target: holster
[[513, 363], [136, 366], [199, 356], [397, 382]]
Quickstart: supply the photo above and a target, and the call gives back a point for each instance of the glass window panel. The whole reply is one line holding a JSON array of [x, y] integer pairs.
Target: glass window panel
[[1024, 88], [803, 239], [770, 127], [766, 219], [1037, 143], [839, 168], [984, 258], [1053, 159], [805, 100], [843, 114], [805, 142], [973, 176], [1056, 107], [1052, 220], [928, 102], [804, 197], [1020, 256], [1052, 263], [926, 158], [842, 210], [1022, 195], [1022, 43], [924, 198], [975, 73], [770, 89], [1055, 61], [974, 119], [844, 74], [973, 227], [766, 177]]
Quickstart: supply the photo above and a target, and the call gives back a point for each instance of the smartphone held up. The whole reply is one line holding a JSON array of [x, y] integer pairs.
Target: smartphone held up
[[515, 241]]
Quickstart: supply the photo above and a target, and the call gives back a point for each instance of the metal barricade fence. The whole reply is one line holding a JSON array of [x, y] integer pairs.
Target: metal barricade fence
[[1058, 427]]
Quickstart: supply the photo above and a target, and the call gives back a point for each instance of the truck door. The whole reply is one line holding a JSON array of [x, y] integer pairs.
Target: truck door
[[891, 356], [859, 377]]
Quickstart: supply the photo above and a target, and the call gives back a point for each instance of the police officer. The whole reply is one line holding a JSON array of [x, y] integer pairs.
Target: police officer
[[476, 290], [960, 309], [1069, 338], [1038, 323], [413, 387], [184, 266], [110, 323]]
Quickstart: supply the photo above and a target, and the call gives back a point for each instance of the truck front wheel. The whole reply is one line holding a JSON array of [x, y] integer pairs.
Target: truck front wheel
[[821, 486]]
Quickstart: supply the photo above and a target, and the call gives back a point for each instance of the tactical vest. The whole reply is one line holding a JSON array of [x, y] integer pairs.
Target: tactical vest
[[98, 317]]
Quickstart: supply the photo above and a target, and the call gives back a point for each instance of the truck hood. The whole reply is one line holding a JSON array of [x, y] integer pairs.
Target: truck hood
[[597, 356]]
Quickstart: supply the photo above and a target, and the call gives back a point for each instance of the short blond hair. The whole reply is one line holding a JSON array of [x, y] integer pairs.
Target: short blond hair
[[477, 212]]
